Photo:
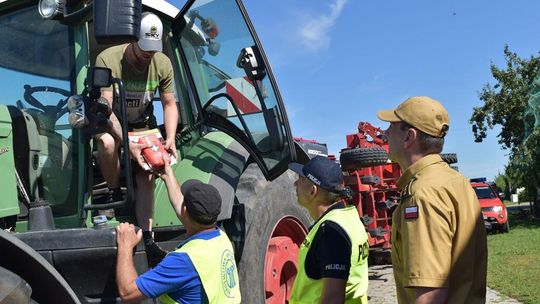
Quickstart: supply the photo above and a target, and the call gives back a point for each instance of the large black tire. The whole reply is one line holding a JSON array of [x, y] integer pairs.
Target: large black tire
[[48, 286], [13, 288], [449, 158], [362, 157], [260, 205]]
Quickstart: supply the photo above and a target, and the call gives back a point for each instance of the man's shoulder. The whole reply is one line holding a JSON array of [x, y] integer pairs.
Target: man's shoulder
[[161, 60], [111, 57], [436, 187], [112, 51], [440, 176], [331, 232]]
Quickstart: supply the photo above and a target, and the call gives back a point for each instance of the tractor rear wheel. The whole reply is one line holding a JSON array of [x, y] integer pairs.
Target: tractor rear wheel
[[267, 229], [46, 283], [362, 157]]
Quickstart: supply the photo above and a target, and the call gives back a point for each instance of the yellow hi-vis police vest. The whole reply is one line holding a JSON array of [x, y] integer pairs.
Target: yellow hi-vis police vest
[[307, 290], [214, 262]]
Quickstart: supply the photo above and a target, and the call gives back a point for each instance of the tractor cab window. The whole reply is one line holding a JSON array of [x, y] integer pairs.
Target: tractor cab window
[[36, 67], [216, 40]]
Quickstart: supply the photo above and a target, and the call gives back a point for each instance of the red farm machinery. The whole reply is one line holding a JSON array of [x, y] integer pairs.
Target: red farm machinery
[[372, 179]]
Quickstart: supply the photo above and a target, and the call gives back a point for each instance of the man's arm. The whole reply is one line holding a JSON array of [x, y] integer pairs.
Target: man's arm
[[431, 295], [173, 189], [170, 117], [334, 249], [333, 291], [126, 239]]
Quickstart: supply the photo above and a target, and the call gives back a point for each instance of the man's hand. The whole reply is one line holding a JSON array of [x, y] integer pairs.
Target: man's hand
[[135, 150], [167, 171], [170, 146], [126, 238]]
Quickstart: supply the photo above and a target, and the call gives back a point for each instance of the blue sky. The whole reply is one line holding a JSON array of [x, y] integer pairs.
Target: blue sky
[[338, 62]]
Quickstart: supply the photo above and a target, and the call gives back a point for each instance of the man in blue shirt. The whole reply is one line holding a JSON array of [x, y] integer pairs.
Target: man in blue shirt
[[201, 270]]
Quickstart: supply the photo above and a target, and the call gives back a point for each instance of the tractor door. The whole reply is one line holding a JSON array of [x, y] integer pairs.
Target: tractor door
[[235, 90]]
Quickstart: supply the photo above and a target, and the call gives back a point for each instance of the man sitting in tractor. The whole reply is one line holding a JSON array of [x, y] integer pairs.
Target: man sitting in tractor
[[332, 262], [201, 270], [143, 69]]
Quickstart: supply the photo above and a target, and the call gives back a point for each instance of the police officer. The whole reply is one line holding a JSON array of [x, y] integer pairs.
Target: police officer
[[439, 249], [332, 262], [201, 270]]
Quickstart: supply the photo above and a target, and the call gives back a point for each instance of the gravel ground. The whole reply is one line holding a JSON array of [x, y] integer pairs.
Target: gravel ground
[[382, 288]]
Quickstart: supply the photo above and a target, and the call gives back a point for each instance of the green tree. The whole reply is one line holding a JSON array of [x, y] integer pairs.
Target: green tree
[[504, 184], [507, 103]]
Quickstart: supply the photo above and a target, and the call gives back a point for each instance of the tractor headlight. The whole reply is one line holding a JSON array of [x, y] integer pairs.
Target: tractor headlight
[[497, 208], [49, 9]]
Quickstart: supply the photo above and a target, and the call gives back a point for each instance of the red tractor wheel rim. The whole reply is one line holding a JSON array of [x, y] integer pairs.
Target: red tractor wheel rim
[[282, 259]]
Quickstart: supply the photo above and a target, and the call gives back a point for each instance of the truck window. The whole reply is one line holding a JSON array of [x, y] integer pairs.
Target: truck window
[[36, 66], [484, 192]]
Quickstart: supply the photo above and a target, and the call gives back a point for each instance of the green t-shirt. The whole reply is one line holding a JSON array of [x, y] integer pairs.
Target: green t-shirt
[[140, 86]]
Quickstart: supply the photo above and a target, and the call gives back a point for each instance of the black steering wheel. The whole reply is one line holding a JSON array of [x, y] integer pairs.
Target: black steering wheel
[[53, 112]]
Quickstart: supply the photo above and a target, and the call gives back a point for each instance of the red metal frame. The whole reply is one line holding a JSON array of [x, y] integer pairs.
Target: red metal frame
[[372, 201]]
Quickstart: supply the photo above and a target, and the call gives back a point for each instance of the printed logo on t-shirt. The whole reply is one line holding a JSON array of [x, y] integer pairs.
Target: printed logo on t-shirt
[[229, 274], [133, 103]]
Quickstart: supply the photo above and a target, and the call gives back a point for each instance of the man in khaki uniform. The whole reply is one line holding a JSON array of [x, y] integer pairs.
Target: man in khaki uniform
[[439, 247]]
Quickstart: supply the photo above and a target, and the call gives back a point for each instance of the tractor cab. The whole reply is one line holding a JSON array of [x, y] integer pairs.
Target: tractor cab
[[221, 84], [231, 116]]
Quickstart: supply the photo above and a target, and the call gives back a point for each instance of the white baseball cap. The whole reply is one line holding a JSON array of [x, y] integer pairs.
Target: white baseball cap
[[150, 34]]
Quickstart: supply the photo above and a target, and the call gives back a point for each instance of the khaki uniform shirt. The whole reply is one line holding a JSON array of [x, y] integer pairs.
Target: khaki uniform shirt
[[438, 234]]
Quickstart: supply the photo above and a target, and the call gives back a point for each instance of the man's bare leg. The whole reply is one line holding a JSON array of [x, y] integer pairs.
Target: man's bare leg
[[143, 211], [144, 200], [108, 159]]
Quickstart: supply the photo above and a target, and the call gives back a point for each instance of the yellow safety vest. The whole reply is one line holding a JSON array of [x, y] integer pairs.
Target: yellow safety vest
[[214, 262], [307, 290]]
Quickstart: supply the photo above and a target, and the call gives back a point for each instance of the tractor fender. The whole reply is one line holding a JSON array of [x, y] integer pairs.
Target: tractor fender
[[48, 286], [216, 159]]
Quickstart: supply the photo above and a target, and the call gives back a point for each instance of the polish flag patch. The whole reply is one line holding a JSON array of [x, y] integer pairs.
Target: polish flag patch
[[411, 212]]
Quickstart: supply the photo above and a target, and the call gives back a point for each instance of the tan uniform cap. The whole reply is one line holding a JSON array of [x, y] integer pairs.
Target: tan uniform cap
[[422, 112]]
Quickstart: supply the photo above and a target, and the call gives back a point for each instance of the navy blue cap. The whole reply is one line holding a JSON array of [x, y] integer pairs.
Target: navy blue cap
[[202, 201], [321, 171]]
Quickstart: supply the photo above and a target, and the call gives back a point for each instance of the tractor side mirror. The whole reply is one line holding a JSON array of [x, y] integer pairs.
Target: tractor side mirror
[[250, 59], [99, 77], [91, 111]]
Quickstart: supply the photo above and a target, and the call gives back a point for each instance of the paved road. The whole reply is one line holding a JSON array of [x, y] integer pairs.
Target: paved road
[[382, 288]]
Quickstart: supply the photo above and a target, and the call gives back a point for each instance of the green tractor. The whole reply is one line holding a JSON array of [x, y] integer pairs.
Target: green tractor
[[233, 134]]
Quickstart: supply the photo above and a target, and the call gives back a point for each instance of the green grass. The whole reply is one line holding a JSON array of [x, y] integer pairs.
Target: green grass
[[509, 203], [514, 259]]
